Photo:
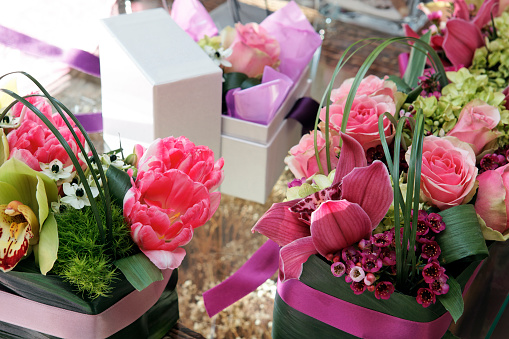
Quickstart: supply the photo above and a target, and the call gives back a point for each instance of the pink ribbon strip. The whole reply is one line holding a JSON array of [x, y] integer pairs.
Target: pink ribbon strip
[[62, 323], [75, 58], [357, 320], [261, 266]]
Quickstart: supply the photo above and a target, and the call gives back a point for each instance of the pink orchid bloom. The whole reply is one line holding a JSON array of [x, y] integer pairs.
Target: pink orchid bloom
[[463, 35], [334, 218]]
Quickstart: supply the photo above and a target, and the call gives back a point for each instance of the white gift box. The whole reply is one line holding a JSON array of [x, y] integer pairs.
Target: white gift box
[[157, 82]]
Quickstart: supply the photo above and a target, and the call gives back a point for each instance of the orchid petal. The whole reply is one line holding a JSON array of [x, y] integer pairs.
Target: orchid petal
[[282, 225], [488, 9], [352, 155], [337, 224], [293, 256], [461, 40], [371, 188], [461, 10]]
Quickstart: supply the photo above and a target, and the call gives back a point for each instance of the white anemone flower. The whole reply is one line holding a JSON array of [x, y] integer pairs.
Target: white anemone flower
[[56, 171], [219, 55], [76, 196]]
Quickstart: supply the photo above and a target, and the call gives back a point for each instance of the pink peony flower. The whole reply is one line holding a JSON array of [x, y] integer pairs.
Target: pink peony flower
[[332, 219], [476, 125], [491, 203], [302, 161], [253, 49], [163, 209], [182, 154], [363, 120], [448, 171]]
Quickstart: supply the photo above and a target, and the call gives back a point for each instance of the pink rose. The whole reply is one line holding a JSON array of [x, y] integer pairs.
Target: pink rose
[[476, 124], [302, 161], [163, 209], [491, 203], [363, 120], [369, 85], [182, 154], [448, 171], [32, 142], [253, 49]]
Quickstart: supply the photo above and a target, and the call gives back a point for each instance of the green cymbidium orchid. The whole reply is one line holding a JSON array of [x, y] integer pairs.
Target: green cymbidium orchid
[[34, 190], [19, 228]]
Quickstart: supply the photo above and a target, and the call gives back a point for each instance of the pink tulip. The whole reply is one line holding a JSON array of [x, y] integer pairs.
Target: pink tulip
[[182, 154], [32, 142], [163, 209], [333, 218], [476, 125], [491, 203], [448, 171], [40, 103], [362, 123], [302, 161], [253, 49]]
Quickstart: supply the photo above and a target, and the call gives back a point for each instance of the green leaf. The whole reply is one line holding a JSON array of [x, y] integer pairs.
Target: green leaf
[[453, 300], [119, 183], [139, 270], [416, 63], [412, 96], [47, 248], [400, 83], [233, 80], [250, 82], [462, 238]]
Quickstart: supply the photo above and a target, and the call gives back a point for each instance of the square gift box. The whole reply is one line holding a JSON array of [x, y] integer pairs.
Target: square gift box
[[156, 82]]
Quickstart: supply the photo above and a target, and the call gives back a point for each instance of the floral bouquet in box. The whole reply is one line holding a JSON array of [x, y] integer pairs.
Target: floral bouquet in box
[[258, 60], [90, 243], [399, 193]]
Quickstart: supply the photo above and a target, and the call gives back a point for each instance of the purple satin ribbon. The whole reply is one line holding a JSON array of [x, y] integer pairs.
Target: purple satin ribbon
[[262, 265], [304, 111], [91, 122], [75, 58]]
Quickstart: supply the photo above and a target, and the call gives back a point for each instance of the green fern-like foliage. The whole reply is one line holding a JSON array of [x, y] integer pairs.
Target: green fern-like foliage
[[82, 260]]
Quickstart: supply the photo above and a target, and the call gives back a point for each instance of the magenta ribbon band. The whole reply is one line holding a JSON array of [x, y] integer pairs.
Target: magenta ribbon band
[[357, 320], [261, 266], [75, 58], [68, 324]]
